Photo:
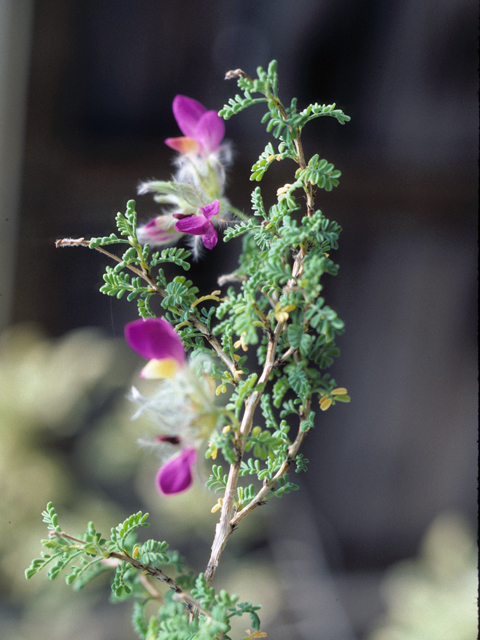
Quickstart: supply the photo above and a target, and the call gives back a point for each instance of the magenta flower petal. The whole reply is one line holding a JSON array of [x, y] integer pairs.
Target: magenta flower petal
[[210, 132], [154, 232], [201, 225], [155, 339], [211, 209], [195, 225], [176, 475], [210, 238], [187, 113]]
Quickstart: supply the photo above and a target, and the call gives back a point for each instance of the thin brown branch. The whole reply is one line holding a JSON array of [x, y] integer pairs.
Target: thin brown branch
[[259, 499], [279, 361], [148, 586], [225, 527], [229, 363], [81, 242], [158, 574], [155, 572], [237, 73], [230, 277], [62, 534], [307, 186]]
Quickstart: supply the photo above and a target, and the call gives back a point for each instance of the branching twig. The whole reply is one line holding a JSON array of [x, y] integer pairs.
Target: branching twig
[[155, 572], [227, 524], [225, 527], [259, 499], [201, 328]]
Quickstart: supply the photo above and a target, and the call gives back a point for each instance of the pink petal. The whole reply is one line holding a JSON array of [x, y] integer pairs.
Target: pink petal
[[176, 475], [195, 225], [155, 339], [187, 113], [183, 145], [210, 132], [210, 238], [211, 209], [154, 231]]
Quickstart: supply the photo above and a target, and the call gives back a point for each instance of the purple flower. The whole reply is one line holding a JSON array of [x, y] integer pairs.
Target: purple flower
[[182, 404], [203, 130], [157, 231], [176, 475], [200, 225], [157, 340]]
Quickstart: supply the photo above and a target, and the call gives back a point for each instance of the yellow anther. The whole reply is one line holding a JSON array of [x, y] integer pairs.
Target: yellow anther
[[241, 343], [341, 391], [136, 550], [283, 189], [220, 389], [226, 429], [270, 158], [214, 453], [282, 313], [237, 376], [217, 506]]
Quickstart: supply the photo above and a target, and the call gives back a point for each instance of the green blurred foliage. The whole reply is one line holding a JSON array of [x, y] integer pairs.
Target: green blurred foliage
[[67, 436], [52, 392], [434, 596]]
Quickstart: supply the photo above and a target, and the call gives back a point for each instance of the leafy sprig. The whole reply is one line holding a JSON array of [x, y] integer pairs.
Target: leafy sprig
[[131, 563], [274, 303]]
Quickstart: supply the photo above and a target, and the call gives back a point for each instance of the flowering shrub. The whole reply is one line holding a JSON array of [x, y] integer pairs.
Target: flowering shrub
[[272, 301]]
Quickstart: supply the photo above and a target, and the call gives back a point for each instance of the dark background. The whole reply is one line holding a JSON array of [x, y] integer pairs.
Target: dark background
[[102, 77]]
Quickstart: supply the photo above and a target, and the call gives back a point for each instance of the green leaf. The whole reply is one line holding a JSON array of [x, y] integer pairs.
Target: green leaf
[[202, 592], [265, 160], [50, 518], [128, 526], [320, 173], [217, 480], [119, 586], [153, 552], [176, 255], [237, 104]]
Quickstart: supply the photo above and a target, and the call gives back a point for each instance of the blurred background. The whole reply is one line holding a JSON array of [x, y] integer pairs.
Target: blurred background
[[380, 541]]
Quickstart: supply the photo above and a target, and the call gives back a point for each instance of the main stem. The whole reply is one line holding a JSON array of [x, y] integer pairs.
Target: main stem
[[226, 524]]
